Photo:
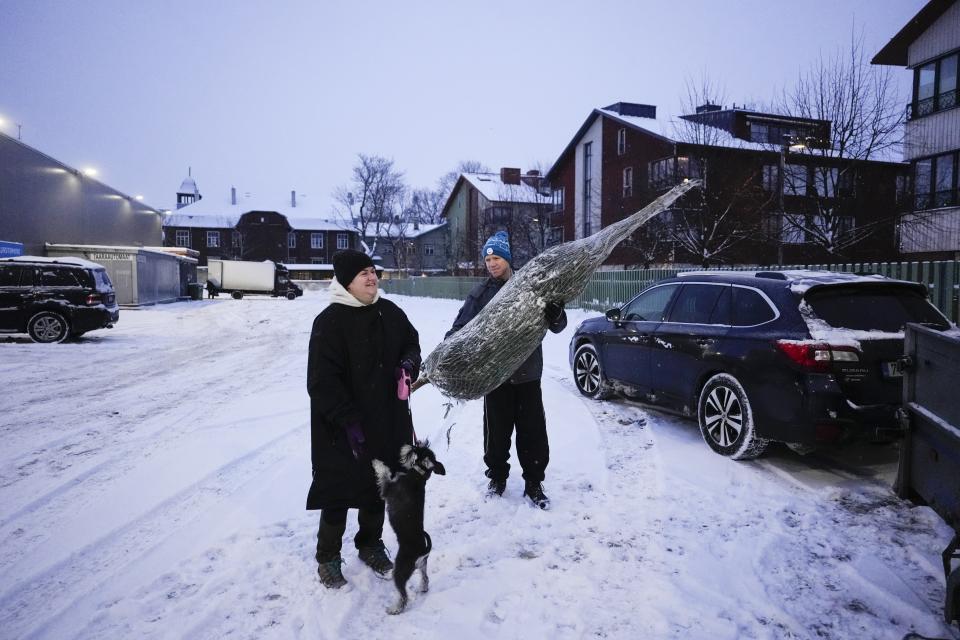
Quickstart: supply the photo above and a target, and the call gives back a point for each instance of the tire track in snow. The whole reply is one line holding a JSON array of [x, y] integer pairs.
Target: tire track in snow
[[21, 605]]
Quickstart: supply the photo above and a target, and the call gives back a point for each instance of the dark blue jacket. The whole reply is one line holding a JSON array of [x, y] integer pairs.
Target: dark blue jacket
[[532, 368]]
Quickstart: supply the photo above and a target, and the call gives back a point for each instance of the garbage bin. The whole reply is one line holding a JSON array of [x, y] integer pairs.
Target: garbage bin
[[196, 291]]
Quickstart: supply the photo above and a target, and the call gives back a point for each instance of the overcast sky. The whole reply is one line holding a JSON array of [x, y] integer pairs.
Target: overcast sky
[[275, 96]]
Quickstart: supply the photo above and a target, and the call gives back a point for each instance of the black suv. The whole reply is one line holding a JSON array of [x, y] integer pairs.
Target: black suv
[[802, 357], [53, 298]]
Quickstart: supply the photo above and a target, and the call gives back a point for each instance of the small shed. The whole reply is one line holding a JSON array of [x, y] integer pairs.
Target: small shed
[[140, 276]]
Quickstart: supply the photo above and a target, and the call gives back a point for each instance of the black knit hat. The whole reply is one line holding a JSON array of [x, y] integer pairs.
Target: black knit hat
[[348, 263]]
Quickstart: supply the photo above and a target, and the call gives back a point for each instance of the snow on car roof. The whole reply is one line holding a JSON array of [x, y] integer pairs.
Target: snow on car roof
[[79, 262]]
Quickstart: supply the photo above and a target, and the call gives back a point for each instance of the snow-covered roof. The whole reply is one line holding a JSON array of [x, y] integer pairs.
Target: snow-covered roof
[[495, 190], [405, 230], [222, 206], [209, 221], [79, 262], [188, 186], [319, 224]]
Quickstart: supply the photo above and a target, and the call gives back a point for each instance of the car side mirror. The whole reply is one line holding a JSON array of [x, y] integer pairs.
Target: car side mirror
[[613, 315]]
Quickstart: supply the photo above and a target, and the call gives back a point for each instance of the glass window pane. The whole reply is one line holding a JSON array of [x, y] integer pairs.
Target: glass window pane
[[948, 74], [695, 303], [925, 84], [750, 308], [649, 305]]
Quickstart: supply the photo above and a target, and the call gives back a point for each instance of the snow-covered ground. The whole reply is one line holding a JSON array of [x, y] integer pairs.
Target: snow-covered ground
[[153, 478]]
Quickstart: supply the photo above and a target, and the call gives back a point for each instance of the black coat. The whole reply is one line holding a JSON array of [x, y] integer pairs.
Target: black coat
[[354, 352], [477, 299]]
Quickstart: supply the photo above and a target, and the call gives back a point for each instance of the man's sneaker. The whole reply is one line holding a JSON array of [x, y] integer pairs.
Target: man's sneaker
[[376, 558], [496, 488], [329, 571], [534, 491]]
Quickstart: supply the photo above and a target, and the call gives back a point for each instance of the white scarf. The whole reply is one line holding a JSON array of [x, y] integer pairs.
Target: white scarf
[[339, 295]]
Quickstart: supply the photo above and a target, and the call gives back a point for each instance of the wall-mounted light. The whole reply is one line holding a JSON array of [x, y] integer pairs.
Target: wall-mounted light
[[90, 172], [138, 197]]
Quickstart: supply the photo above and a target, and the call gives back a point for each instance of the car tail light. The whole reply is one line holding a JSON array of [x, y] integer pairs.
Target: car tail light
[[93, 299], [817, 356]]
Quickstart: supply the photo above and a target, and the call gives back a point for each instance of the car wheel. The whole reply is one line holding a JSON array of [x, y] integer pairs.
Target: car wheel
[[588, 374], [726, 419], [48, 326], [237, 295], [291, 295]]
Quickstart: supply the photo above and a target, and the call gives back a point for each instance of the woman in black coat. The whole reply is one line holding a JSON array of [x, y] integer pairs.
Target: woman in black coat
[[358, 347]]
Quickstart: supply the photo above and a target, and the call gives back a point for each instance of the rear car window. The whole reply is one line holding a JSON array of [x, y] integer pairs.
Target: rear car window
[[59, 278], [750, 308], [873, 309], [102, 278], [695, 303]]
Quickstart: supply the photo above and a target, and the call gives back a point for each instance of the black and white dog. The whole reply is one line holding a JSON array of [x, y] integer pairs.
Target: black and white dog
[[404, 493]]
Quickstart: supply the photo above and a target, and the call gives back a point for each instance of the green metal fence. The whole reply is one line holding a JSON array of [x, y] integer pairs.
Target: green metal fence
[[608, 289]]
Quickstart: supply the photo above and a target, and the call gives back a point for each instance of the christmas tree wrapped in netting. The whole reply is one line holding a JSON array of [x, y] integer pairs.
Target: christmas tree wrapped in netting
[[488, 349]]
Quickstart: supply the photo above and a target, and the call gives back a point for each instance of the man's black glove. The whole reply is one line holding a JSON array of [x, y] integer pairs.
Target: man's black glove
[[553, 311]]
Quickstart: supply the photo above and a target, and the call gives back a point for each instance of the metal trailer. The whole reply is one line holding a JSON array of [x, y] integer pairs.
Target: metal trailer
[[929, 466]]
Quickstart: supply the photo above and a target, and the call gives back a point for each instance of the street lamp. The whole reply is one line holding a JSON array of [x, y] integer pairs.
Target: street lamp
[[3, 123]]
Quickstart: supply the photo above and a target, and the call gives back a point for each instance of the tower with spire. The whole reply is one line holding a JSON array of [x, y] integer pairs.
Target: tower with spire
[[188, 192]]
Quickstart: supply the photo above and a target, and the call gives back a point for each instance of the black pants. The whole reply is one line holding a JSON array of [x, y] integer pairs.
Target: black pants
[[517, 406], [333, 523]]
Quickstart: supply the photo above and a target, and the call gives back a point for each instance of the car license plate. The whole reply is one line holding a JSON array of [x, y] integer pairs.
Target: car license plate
[[892, 369]]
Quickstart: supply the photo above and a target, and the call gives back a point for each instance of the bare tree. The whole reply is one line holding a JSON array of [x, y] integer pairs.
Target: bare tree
[[426, 205], [866, 114], [372, 198], [727, 211], [447, 181]]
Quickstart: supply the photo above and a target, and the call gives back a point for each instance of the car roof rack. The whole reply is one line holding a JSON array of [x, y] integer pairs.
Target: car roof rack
[[772, 275]]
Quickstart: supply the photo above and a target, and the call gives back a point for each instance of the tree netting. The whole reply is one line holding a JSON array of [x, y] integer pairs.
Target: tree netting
[[488, 349]]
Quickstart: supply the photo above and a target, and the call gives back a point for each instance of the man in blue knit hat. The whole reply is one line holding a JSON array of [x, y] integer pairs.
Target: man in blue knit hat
[[518, 402]]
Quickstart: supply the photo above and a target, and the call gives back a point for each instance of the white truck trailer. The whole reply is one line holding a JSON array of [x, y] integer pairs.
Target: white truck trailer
[[239, 277]]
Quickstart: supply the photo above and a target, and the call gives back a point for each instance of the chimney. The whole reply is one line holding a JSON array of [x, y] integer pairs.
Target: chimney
[[509, 175], [633, 109], [708, 107], [532, 178], [293, 198], [233, 195]]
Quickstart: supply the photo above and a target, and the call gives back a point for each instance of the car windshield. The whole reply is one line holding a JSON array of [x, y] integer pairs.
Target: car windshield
[[872, 308]]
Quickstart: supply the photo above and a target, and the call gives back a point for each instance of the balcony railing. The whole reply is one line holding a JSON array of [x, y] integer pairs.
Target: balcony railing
[[939, 102]]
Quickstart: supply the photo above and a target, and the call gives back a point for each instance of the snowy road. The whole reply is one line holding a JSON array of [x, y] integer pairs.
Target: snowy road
[[153, 477]]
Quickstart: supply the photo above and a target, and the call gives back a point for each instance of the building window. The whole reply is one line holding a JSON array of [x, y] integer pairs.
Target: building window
[[291, 240], [497, 215], [428, 249], [343, 241], [558, 199], [795, 180], [316, 260], [660, 173], [183, 238], [587, 186], [236, 239], [688, 167], [825, 181], [411, 249], [935, 182], [621, 142], [771, 178], [793, 231], [213, 238], [628, 182], [935, 86], [316, 241]]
